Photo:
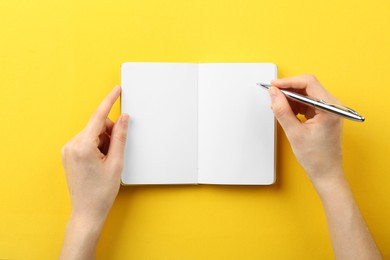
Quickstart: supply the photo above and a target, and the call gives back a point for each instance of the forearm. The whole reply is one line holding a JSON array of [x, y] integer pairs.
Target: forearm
[[81, 238], [349, 233]]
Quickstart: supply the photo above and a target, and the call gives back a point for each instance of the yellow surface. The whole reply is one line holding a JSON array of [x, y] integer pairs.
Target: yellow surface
[[58, 59]]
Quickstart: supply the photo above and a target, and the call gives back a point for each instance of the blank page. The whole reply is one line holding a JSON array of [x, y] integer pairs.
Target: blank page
[[236, 125], [161, 99]]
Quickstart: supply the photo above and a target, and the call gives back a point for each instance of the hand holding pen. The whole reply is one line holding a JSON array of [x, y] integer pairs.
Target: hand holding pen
[[317, 141], [320, 104]]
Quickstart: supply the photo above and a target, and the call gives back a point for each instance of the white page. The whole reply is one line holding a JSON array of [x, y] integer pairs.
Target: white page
[[236, 125], [161, 99]]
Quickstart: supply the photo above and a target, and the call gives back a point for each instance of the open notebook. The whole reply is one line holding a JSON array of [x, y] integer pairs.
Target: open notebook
[[198, 123]]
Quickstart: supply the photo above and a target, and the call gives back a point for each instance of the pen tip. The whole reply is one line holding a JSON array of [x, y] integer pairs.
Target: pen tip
[[263, 85]]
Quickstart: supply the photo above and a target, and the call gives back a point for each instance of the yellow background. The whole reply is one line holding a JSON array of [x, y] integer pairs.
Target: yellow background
[[58, 59]]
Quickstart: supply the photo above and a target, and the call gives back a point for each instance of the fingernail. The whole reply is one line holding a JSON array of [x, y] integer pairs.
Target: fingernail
[[117, 88], [272, 92], [124, 119]]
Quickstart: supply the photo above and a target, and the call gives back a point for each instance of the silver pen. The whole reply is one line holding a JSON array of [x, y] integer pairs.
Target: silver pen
[[339, 110]]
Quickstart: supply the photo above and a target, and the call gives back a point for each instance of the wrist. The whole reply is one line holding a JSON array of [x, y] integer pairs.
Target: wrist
[[330, 183], [86, 229], [81, 237]]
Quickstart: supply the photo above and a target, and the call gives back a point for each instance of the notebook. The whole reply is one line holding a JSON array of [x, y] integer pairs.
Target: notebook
[[198, 123]]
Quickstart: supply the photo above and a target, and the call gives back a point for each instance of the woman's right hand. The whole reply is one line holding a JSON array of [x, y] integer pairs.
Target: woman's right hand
[[316, 141]]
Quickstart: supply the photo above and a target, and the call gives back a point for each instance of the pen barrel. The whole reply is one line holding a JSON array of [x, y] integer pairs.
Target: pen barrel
[[338, 111], [321, 105]]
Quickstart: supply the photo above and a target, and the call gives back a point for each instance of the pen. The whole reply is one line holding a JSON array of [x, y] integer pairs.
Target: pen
[[339, 110]]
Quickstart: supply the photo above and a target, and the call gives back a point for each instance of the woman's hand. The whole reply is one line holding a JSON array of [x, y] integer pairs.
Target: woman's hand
[[93, 162], [316, 142]]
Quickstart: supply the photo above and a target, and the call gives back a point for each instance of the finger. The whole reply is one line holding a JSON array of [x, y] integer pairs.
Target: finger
[[283, 112], [296, 82], [109, 125], [306, 85], [117, 143], [98, 120], [303, 84]]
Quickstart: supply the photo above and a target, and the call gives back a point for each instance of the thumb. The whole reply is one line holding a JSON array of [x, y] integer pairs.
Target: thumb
[[282, 110], [118, 141]]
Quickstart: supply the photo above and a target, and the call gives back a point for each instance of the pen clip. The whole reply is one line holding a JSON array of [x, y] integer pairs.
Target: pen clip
[[347, 109]]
